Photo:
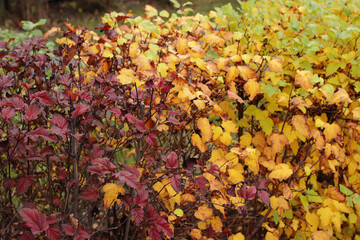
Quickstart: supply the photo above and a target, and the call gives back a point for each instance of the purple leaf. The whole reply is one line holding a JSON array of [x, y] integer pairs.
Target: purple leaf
[[31, 113], [80, 109], [264, 196], [128, 178], [172, 161], [163, 225], [173, 120], [261, 184], [176, 182], [138, 214], [23, 183], [34, 219], [91, 193], [141, 198], [68, 229], [154, 234], [53, 232], [43, 98], [247, 193]]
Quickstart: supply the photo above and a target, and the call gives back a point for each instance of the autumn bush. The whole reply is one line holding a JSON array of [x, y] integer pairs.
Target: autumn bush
[[239, 124]]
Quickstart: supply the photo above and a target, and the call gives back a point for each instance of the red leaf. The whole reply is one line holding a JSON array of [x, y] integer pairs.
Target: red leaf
[[163, 225], [68, 229], [128, 178], [173, 120], [53, 232], [91, 193], [9, 183], [31, 113], [7, 113], [138, 214], [151, 139], [34, 219], [102, 166], [43, 98], [83, 234], [140, 125], [264, 196], [27, 236], [60, 121], [201, 182], [154, 234], [80, 109], [141, 198], [176, 182], [248, 193], [130, 118], [261, 184], [23, 183], [172, 161], [51, 219], [132, 170], [150, 213], [41, 132]]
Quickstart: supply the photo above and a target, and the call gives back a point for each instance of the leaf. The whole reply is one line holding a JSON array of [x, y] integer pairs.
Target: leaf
[[216, 224], [331, 131], [179, 212], [197, 142], [238, 236], [7, 113], [112, 192], [334, 193], [34, 219], [203, 213], [229, 126], [23, 183], [162, 68], [252, 88], [163, 225], [300, 124], [83, 234], [154, 234], [68, 229], [172, 161], [356, 113], [141, 198], [176, 182], [43, 98], [53, 232], [320, 235], [278, 142], [340, 96], [247, 73], [80, 109], [205, 128], [195, 233], [138, 214], [231, 74], [126, 76], [129, 178], [264, 196], [345, 190], [325, 214], [276, 65], [32, 113], [140, 126], [248, 193], [281, 171], [91, 193]]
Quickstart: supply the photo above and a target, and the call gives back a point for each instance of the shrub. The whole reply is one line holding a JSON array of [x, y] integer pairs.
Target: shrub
[[237, 124]]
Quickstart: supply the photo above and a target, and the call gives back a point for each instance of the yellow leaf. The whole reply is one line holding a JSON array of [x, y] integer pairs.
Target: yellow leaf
[[226, 138], [278, 142], [232, 73], [236, 174], [196, 233], [66, 41], [276, 65], [107, 53], [196, 141], [356, 113], [313, 221], [200, 104], [252, 159], [331, 131], [179, 212], [203, 213], [288, 194], [238, 236], [112, 191], [213, 39], [216, 224], [320, 235], [162, 68], [252, 87], [126, 76], [245, 140], [281, 171], [302, 78], [205, 128], [340, 96], [247, 72], [325, 214], [319, 140], [279, 202], [300, 124], [230, 126], [219, 203], [182, 46], [217, 132]]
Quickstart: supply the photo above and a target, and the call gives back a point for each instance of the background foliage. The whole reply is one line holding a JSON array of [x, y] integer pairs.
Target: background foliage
[[239, 124]]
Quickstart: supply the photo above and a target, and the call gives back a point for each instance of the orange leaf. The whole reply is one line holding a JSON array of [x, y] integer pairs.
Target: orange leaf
[[300, 124], [278, 142], [247, 72], [331, 131], [252, 87], [205, 128], [196, 141], [334, 193], [281, 171], [203, 213]]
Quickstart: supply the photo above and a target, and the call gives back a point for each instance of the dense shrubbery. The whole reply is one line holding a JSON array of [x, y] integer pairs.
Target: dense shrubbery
[[237, 124]]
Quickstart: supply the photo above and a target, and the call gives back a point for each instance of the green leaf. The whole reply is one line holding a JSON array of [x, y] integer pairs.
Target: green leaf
[[28, 25], [269, 90], [267, 125], [276, 217], [305, 202], [313, 196], [175, 3], [345, 190], [356, 199], [332, 68], [288, 214]]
